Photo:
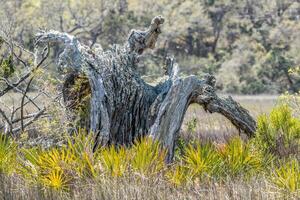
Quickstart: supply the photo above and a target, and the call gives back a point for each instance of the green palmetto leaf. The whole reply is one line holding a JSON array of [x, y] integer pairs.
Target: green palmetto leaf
[[287, 176], [148, 157], [202, 160], [239, 157], [8, 153], [115, 161]]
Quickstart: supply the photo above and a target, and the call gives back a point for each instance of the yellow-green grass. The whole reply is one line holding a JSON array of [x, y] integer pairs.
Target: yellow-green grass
[[233, 168]]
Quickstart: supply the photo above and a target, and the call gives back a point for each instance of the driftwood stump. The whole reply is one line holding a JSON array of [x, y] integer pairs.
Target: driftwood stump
[[123, 106]]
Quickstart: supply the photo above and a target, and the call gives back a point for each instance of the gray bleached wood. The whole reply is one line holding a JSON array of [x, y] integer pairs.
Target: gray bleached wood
[[123, 107]]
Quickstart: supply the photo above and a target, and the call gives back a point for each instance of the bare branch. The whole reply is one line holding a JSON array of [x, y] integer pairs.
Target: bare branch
[[11, 86], [138, 40], [27, 88], [7, 121], [35, 117], [22, 92]]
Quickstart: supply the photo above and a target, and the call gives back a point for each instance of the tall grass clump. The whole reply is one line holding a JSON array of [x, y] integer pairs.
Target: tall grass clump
[[115, 161], [287, 176], [59, 168], [148, 157], [278, 133], [202, 160], [241, 158], [8, 154]]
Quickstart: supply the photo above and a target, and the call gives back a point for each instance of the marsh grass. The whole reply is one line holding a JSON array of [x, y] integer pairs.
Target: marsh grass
[[204, 168], [132, 187], [233, 171]]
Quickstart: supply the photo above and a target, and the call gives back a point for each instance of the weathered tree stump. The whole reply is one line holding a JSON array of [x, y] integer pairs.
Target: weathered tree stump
[[123, 106]]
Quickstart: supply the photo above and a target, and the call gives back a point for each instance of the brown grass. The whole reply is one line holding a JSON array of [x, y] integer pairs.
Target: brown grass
[[217, 128], [209, 126], [137, 187]]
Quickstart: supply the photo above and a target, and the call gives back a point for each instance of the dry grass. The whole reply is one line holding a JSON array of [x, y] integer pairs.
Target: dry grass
[[209, 126], [217, 128], [137, 187]]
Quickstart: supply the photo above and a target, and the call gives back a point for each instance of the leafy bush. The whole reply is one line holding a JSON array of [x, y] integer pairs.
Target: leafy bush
[[279, 133], [59, 167], [115, 161], [50, 168], [81, 146], [63, 168], [241, 158], [148, 157], [178, 175], [202, 160]]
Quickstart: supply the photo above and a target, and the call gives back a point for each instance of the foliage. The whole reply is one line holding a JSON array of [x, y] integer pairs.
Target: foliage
[[241, 158], [115, 160], [250, 45], [82, 149], [279, 133], [8, 152], [62, 168], [178, 175], [7, 67], [49, 168], [292, 100], [58, 167], [148, 157], [192, 125], [287, 176], [202, 160]]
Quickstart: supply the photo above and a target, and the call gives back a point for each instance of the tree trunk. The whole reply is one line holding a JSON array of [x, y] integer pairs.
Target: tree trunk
[[122, 106]]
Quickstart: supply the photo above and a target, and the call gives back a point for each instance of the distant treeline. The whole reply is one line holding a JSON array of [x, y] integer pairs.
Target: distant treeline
[[251, 46]]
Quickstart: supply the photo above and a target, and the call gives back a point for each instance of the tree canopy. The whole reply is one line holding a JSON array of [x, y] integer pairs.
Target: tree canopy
[[249, 45]]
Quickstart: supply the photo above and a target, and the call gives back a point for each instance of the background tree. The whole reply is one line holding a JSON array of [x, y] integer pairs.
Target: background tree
[[255, 41]]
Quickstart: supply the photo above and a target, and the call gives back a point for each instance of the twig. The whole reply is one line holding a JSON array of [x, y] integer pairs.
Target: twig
[[22, 92], [26, 90], [23, 78], [22, 103], [7, 120], [38, 114]]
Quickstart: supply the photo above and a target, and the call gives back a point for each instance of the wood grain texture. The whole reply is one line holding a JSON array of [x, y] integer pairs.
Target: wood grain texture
[[124, 107]]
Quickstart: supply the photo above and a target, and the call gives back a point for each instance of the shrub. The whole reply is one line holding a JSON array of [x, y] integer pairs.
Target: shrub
[[202, 160], [59, 167], [241, 158], [148, 157], [81, 146], [50, 168], [279, 133], [114, 161]]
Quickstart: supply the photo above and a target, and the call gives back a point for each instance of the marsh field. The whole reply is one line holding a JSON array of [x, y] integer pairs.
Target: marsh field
[[197, 123], [211, 163], [129, 99], [215, 126]]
